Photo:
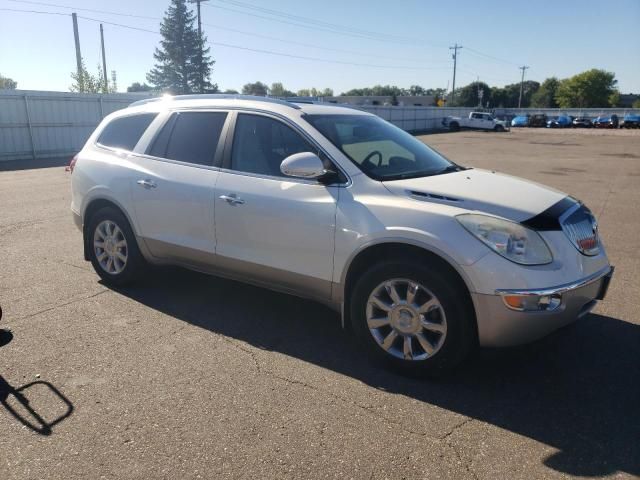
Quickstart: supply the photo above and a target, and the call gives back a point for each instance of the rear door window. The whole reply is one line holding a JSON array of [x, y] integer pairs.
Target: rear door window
[[190, 137], [125, 132]]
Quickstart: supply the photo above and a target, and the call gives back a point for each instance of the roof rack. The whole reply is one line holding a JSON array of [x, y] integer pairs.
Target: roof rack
[[215, 96]]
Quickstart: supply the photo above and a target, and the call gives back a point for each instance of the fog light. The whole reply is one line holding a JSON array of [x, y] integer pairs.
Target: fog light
[[532, 303]]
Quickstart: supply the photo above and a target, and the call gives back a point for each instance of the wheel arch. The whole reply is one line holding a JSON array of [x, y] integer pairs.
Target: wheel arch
[[393, 249], [91, 208]]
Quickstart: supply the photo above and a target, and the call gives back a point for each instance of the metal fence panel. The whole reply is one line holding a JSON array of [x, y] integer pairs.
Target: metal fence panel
[[35, 124]]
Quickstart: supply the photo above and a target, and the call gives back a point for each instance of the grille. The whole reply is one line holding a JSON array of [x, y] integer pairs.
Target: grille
[[582, 229]]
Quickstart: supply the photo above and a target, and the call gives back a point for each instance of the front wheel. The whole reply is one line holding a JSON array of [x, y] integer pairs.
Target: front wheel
[[113, 250], [413, 317], [499, 128]]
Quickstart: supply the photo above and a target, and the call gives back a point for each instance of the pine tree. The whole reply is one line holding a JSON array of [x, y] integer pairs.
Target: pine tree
[[180, 66]]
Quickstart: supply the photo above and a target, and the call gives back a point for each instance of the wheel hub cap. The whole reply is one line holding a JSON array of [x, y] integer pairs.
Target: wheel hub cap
[[406, 319], [110, 247]]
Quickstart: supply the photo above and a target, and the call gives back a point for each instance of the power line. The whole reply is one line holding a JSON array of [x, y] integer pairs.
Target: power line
[[497, 59], [243, 32], [321, 29], [46, 4], [241, 47], [314, 21]]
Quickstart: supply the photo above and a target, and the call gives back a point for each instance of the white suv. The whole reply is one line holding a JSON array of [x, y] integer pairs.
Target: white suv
[[424, 258]]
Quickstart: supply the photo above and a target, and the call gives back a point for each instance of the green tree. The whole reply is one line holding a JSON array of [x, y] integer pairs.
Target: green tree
[[85, 82], [257, 88], [545, 97], [417, 90], [509, 95], [7, 83], [138, 87], [231, 91], [314, 92], [278, 90], [636, 104], [182, 66], [467, 96], [590, 89]]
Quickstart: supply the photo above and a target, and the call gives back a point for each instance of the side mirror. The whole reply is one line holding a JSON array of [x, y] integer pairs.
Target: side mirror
[[303, 165]]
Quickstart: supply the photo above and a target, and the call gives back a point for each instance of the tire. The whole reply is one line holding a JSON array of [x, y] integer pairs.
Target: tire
[[449, 349], [454, 127], [109, 236], [499, 128]]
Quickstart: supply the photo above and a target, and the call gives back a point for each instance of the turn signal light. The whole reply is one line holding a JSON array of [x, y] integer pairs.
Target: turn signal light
[[532, 303]]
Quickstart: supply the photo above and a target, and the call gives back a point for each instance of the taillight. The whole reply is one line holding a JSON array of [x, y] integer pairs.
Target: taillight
[[72, 164]]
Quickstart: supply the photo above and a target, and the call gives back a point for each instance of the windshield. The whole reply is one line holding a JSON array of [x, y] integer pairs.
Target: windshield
[[379, 149]]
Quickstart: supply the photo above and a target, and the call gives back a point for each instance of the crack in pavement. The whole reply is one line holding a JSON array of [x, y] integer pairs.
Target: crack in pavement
[[370, 410], [76, 300], [446, 438]]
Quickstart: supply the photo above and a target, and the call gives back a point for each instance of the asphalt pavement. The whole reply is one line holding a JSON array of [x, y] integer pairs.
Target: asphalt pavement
[[189, 376]]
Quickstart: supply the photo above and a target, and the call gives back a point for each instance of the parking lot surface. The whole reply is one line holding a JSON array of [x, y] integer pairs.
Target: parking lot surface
[[189, 376]]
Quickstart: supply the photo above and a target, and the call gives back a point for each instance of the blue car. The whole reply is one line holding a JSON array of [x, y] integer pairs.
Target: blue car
[[520, 121], [563, 121], [631, 120]]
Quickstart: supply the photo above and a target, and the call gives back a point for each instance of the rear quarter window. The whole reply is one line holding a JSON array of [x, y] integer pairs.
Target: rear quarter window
[[125, 132]]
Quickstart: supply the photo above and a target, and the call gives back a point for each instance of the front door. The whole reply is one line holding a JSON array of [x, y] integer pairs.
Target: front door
[[271, 228]]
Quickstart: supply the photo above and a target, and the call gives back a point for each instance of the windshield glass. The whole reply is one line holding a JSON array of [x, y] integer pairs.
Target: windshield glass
[[379, 149]]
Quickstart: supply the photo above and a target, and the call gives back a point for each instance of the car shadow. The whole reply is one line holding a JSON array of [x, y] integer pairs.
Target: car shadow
[[577, 391]]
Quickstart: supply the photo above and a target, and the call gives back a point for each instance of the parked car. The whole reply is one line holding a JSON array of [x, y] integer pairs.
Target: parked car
[[602, 122], [631, 120], [582, 122], [607, 121], [538, 120], [520, 121], [423, 257], [562, 121], [475, 121]]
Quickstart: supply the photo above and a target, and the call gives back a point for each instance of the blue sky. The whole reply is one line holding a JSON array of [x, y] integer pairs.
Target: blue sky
[[407, 41]]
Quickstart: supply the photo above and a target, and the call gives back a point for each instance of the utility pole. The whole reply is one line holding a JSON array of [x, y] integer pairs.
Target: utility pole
[[104, 62], [455, 49], [523, 68], [76, 37], [198, 2]]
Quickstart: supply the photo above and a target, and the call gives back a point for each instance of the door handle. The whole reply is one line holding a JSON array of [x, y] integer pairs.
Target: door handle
[[232, 199], [147, 183]]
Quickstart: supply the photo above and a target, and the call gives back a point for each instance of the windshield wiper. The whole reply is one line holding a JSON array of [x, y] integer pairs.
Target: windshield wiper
[[451, 168]]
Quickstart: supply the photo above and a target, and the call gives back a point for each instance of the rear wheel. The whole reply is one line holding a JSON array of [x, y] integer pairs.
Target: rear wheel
[[454, 126], [412, 317], [112, 246]]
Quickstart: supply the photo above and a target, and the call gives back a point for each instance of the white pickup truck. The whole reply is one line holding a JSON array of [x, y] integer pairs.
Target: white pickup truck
[[476, 121]]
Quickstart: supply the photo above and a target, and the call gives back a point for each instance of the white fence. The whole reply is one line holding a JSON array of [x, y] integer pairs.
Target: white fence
[[38, 125], [43, 125]]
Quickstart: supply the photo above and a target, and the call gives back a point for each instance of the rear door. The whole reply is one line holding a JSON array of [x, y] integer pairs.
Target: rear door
[[174, 185]]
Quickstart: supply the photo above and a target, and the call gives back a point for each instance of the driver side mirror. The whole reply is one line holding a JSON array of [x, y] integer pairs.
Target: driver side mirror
[[303, 165]]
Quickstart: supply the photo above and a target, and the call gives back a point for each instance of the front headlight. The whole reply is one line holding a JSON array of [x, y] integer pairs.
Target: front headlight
[[509, 239]]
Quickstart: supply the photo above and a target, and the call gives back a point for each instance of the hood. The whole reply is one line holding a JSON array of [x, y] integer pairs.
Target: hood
[[482, 191]]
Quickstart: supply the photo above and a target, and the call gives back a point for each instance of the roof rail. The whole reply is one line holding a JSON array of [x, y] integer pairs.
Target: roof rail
[[215, 96]]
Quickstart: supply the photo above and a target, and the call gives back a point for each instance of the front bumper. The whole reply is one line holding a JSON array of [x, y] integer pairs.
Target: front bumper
[[501, 326]]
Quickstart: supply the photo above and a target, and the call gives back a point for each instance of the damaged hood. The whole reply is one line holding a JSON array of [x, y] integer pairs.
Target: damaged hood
[[480, 191]]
